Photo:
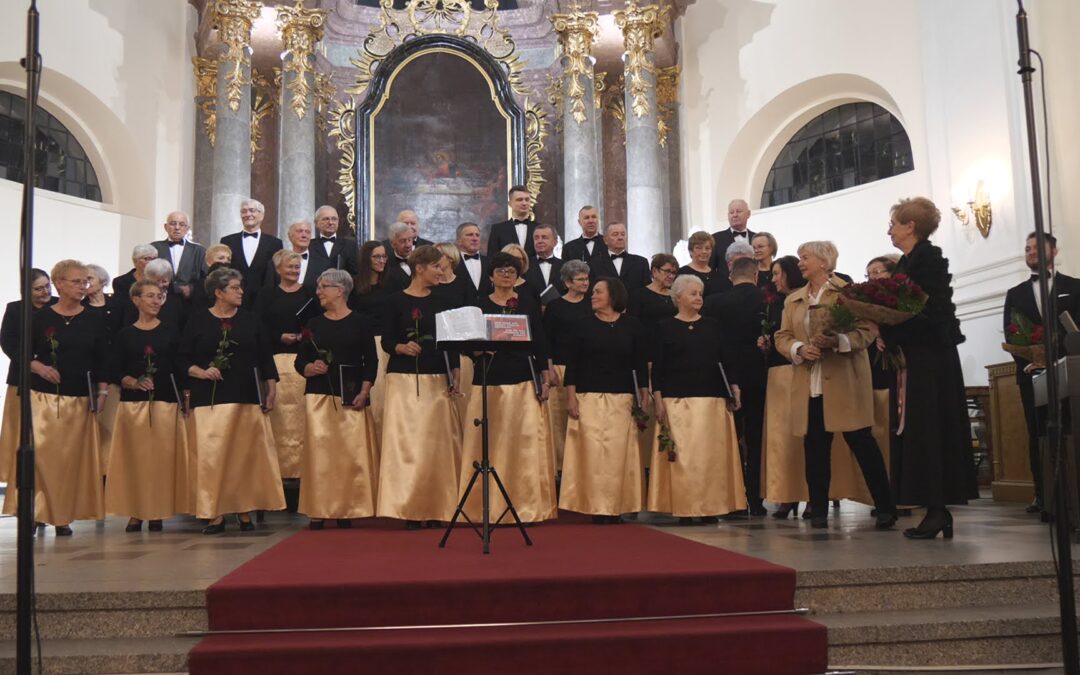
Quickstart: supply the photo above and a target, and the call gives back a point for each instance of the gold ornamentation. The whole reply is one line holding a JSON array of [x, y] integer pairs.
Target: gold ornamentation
[[667, 95], [536, 132], [640, 26], [301, 29], [324, 98], [555, 100], [616, 103], [440, 16], [263, 100], [206, 94], [599, 87], [233, 20], [577, 32]]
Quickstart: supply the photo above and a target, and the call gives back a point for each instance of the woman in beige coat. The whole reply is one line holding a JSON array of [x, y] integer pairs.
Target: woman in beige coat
[[831, 389]]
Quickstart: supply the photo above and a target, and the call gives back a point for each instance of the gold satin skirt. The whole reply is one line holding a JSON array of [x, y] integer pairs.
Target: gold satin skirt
[[340, 464], [645, 439], [602, 461], [706, 478], [67, 465], [520, 450], [9, 435], [468, 367], [420, 450], [146, 439], [556, 406], [287, 418], [377, 395], [236, 464], [106, 422]]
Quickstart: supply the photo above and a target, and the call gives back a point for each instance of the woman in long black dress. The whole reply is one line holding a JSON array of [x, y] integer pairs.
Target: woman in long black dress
[[337, 358], [284, 310], [230, 363], [561, 318], [371, 290], [932, 464], [602, 465], [519, 428], [701, 245], [421, 434], [68, 384], [149, 440], [701, 476]]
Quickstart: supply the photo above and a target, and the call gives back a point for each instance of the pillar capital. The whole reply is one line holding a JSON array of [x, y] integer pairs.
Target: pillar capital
[[301, 29], [233, 20], [640, 25], [577, 31]]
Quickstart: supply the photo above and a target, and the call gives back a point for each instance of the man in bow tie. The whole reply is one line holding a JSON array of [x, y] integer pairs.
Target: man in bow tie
[[519, 229], [544, 267], [401, 245], [337, 251], [188, 258], [311, 265], [591, 242], [252, 249], [474, 270], [738, 217], [632, 270]]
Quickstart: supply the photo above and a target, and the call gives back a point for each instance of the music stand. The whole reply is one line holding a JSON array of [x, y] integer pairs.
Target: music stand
[[483, 468]]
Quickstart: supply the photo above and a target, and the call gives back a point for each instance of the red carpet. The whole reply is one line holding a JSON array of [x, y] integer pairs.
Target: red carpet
[[379, 575]]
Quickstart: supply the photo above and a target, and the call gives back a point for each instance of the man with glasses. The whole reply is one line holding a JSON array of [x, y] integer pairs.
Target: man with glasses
[[632, 270], [188, 258], [339, 252], [252, 249]]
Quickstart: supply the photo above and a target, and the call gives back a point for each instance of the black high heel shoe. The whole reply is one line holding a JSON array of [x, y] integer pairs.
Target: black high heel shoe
[[923, 531], [134, 526], [155, 526], [215, 529], [786, 508], [245, 525]]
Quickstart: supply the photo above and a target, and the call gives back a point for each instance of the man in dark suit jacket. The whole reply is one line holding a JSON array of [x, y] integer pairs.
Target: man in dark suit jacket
[[140, 256], [517, 230], [632, 270], [740, 312], [252, 249], [544, 267], [311, 266], [409, 217], [1024, 299], [188, 258], [738, 217], [473, 273], [398, 250], [338, 252], [591, 242]]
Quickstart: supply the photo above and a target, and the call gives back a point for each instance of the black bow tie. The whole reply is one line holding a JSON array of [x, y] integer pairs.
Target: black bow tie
[[401, 261], [547, 260], [618, 255], [328, 239], [472, 257], [251, 234], [520, 222], [596, 238], [304, 255], [739, 234], [176, 243]]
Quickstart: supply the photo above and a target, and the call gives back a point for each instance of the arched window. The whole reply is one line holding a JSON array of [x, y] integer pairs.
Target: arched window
[[62, 164], [849, 145]]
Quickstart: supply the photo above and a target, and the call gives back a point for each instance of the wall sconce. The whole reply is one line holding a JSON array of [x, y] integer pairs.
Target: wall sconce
[[979, 208]]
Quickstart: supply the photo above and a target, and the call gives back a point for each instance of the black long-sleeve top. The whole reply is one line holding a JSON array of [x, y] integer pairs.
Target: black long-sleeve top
[[715, 280], [82, 346], [937, 325], [775, 313], [687, 358], [248, 349], [398, 322], [371, 306], [650, 308], [278, 311], [129, 357], [349, 342], [561, 319], [512, 367], [455, 293], [124, 312], [605, 355]]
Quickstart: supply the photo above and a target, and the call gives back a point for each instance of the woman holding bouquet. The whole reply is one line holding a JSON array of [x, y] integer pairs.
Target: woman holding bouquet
[[696, 470], [337, 357], [149, 440], [230, 363], [932, 464], [831, 388], [519, 428], [421, 433], [70, 346]]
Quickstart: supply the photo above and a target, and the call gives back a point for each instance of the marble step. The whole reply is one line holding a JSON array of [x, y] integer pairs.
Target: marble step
[[100, 656], [137, 614]]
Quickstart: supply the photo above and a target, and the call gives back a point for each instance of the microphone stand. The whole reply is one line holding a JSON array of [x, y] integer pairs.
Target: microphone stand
[[1067, 603], [25, 479]]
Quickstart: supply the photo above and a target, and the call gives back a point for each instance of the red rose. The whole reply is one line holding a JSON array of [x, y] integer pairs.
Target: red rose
[[1036, 334], [226, 325], [306, 335], [900, 277], [417, 314], [50, 331], [840, 300], [889, 301], [1012, 328], [512, 303], [148, 350]]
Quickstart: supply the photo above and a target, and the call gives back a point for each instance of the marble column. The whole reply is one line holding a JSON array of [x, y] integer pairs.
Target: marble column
[[577, 31], [232, 138], [300, 30], [644, 183], [205, 128]]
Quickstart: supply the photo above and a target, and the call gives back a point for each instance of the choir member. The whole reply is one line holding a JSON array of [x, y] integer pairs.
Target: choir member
[[96, 300], [140, 256], [701, 253], [252, 249], [173, 311], [702, 475], [738, 215], [932, 465], [229, 360], [450, 286], [831, 388], [217, 255], [474, 271], [341, 458], [68, 384], [591, 242], [149, 440], [765, 249], [401, 244], [10, 338], [188, 258], [410, 218], [519, 229], [283, 310], [602, 465], [371, 290], [97, 279], [421, 434], [544, 266], [519, 430], [332, 248], [521, 285], [632, 270]]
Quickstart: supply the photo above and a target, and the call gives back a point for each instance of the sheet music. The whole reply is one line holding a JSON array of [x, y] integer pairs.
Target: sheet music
[[465, 323]]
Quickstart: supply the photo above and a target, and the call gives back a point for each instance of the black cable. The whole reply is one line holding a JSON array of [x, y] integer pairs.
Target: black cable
[[1046, 143]]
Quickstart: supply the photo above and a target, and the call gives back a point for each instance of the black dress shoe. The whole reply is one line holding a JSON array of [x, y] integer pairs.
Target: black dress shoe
[[315, 525], [413, 525], [155, 526], [135, 526], [215, 529], [807, 514], [1034, 507], [710, 520], [789, 507], [819, 522], [63, 531], [433, 524], [245, 525], [344, 523], [758, 510], [685, 521], [885, 520]]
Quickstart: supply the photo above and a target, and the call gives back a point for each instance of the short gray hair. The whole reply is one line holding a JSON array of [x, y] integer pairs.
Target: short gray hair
[[572, 268], [684, 280], [255, 202], [302, 222], [338, 278], [100, 273], [739, 249], [322, 208], [159, 268], [825, 250], [143, 250], [219, 280], [396, 229]]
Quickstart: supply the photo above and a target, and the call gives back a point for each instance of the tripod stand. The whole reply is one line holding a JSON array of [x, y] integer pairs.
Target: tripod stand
[[483, 470]]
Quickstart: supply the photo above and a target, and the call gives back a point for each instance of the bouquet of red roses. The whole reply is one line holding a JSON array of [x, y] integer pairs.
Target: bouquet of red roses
[[888, 302], [1023, 338]]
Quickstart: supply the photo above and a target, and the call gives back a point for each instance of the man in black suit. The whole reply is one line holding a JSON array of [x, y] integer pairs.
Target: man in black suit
[[140, 256], [632, 270], [409, 217], [738, 216], [252, 249], [517, 230], [188, 258], [737, 250], [337, 251], [591, 242], [399, 247], [474, 270], [1024, 299], [311, 266], [740, 312], [544, 267]]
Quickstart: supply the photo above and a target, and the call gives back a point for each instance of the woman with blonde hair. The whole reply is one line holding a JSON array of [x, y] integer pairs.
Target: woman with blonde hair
[[523, 257], [701, 245]]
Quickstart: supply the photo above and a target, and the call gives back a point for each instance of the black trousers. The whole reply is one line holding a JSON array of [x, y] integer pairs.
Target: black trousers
[[1036, 426], [818, 446], [750, 421]]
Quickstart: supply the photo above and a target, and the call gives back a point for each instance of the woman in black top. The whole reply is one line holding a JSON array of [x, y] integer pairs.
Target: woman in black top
[[701, 245], [421, 434], [284, 309], [695, 393], [765, 248], [457, 293], [68, 384], [337, 357], [230, 363], [519, 430], [562, 316], [149, 441], [371, 290], [602, 465]]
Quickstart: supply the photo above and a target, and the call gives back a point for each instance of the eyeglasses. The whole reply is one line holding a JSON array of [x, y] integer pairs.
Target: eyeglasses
[[323, 287], [78, 282], [380, 257], [506, 272], [580, 280], [669, 272]]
